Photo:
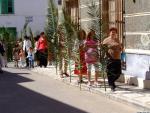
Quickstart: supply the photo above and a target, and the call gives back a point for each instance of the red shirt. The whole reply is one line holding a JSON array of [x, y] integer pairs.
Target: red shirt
[[42, 43]]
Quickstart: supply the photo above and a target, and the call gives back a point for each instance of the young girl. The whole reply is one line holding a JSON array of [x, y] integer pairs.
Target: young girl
[[91, 56], [80, 66], [16, 54], [22, 58]]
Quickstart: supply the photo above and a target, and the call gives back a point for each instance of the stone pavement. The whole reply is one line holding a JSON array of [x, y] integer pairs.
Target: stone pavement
[[124, 93]]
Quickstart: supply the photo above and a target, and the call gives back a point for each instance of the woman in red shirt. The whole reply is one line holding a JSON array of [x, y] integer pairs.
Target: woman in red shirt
[[43, 50]]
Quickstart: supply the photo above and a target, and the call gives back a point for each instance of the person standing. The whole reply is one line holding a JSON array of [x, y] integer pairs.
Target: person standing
[[26, 45], [5, 54], [80, 64], [42, 48], [2, 51], [62, 52], [114, 54], [36, 52], [22, 58]]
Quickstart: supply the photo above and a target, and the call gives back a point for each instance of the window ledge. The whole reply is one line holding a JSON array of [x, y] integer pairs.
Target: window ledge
[[7, 14], [137, 51]]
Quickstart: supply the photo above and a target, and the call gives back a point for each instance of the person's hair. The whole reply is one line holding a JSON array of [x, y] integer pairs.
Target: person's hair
[[113, 29], [31, 48], [84, 34], [36, 38], [26, 37], [16, 45], [42, 33], [20, 39], [90, 34]]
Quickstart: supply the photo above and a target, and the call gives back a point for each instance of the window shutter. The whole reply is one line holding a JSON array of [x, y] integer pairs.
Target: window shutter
[[4, 6], [0, 6]]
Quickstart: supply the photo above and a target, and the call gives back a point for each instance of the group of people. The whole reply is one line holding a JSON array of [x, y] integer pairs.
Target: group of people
[[25, 53], [87, 47]]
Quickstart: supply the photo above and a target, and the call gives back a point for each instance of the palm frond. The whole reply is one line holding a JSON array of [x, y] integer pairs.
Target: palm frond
[[25, 28], [52, 20], [51, 28]]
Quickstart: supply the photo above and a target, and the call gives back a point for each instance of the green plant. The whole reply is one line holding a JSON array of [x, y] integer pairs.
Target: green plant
[[68, 33], [51, 29], [8, 37], [94, 12], [27, 31]]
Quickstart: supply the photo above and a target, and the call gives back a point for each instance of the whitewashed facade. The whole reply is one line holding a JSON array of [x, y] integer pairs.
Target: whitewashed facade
[[33, 10]]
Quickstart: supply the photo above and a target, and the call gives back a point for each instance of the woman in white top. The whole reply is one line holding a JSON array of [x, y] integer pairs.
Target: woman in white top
[[26, 46]]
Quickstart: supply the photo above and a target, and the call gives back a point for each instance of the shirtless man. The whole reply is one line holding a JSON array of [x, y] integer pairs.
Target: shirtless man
[[113, 54]]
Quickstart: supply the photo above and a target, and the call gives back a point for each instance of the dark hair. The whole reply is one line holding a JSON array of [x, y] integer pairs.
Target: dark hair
[[26, 37], [90, 34], [31, 48], [37, 38], [16, 45], [42, 33], [84, 34], [113, 29]]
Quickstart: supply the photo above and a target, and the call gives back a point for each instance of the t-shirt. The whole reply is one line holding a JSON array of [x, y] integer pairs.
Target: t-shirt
[[42, 43], [30, 56], [91, 53]]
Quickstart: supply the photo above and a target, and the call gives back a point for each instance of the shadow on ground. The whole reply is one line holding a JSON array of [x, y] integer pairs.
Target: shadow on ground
[[17, 99]]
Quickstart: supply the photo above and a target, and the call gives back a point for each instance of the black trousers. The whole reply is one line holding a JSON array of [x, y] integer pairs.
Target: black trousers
[[27, 60], [43, 55], [113, 71]]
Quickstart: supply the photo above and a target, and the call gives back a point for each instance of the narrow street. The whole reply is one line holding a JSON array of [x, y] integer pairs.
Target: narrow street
[[22, 91]]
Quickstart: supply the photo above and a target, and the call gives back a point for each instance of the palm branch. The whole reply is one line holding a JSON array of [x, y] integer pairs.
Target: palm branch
[[50, 30], [94, 12], [70, 35]]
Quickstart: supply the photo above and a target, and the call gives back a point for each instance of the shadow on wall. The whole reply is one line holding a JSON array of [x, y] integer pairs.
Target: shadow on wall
[[17, 99]]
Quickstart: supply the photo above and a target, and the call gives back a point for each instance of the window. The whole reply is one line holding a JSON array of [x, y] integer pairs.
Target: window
[[6, 6]]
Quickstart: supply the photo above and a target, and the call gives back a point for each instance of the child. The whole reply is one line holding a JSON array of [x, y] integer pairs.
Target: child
[[16, 54], [31, 57], [22, 58]]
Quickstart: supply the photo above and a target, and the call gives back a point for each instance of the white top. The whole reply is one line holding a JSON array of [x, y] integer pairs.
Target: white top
[[26, 45]]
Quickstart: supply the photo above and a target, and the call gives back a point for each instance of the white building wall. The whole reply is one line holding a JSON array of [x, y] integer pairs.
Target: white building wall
[[24, 8]]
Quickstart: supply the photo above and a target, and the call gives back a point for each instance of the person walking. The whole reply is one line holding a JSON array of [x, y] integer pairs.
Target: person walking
[[80, 64], [114, 54], [42, 48], [16, 50], [62, 53], [36, 52], [26, 45], [91, 56], [31, 57]]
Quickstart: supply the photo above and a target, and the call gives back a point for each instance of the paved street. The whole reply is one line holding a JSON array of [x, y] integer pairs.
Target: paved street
[[22, 91]]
